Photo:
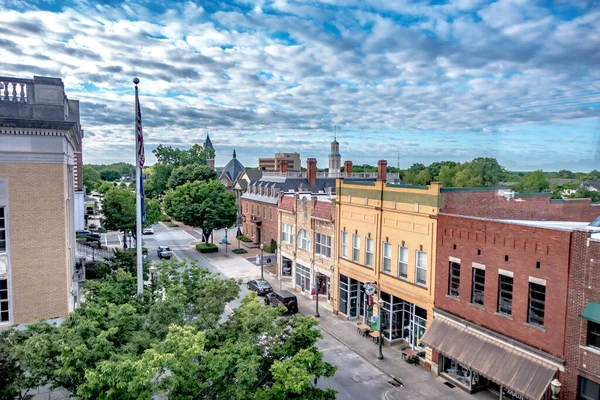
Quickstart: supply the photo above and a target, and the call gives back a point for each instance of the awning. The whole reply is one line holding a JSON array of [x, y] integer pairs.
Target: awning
[[504, 364], [592, 312]]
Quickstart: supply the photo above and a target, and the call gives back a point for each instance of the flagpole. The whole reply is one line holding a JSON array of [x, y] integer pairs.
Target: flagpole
[[138, 200]]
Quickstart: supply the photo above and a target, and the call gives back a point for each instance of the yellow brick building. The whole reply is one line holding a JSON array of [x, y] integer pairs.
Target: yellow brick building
[[386, 236]]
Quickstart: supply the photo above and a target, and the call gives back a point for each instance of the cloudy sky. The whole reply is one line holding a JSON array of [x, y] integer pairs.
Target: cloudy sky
[[453, 79]]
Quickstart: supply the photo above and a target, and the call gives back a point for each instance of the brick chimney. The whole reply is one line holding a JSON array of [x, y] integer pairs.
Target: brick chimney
[[382, 170], [283, 166], [311, 171], [348, 168]]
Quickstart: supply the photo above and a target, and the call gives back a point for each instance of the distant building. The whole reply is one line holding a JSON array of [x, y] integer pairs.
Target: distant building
[[231, 172], [40, 171], [335, 159], [592, 186], [273, 163], [211, 156]]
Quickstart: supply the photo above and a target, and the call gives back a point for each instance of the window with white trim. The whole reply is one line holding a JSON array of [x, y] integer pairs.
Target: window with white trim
[[454, 279], [421, 264], [402, 262], [369, 252], [323, 244], [356, 248], [387, 257], [505, 294], [537, 304], [4, 306], [303, 240], [345, 244], [287, 235]]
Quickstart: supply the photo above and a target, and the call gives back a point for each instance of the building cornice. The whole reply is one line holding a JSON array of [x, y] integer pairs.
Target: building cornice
[[35, 158]]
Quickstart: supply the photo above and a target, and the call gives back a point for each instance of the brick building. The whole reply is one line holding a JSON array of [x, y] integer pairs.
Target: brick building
[[40, 136], [306, 242], [386, 236], [582, 346]]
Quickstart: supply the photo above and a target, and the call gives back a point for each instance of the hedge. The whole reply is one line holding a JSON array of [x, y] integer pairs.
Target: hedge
[[245, 239], [239, 251], [207, 248]]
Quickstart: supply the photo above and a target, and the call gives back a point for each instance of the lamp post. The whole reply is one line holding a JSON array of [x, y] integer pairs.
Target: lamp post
[[555, 387], [262, 276], [317, 315], [225, 241], [380, 338]]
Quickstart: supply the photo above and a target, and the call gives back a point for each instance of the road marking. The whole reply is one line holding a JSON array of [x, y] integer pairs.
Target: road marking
[[120, 241], [332, 348], [106, 239], [228, 309], [193, 237]]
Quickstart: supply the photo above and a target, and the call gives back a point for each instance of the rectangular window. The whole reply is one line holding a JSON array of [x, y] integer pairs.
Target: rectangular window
[[246, 208], [264, 212], [387, 257], [593, 334], [323, 244], [369, 252], [345, 244], [303, 277], [402, 262], [454, 279], [421, 267], [356, 248], [505, 294], [477, 290], [588, 390], [252, 209], [303, 240], [271, 213], [343, 298], [286, 233], [4, 306], [537, 304]]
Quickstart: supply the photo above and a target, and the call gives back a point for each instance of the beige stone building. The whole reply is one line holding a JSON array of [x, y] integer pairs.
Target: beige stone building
[[307, 243], [292, 161], [40, 136]]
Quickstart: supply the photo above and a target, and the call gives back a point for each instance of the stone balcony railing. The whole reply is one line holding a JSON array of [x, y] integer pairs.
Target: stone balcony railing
[[298, 174], [16, 90]]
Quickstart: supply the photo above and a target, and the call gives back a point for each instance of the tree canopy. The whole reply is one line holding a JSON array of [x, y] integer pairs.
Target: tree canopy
[[177, 157], [170, 341], [190, 173], [205, 205], [534, 182], [91, 178]]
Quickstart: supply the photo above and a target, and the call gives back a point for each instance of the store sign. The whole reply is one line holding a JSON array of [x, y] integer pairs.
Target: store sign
[[510, 395]]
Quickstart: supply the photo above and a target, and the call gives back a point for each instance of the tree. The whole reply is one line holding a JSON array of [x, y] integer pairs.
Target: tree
[[586, 194], [447, 174], [481, 172], [435, 168], [205, 205], [104, 187], [156, 184], [91, 178], [423, 178], [534, 182], [178, 157], [171, 341], [190, 173], [110, 175]]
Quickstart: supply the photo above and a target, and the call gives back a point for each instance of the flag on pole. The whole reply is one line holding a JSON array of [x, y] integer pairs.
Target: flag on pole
[[141, 158]]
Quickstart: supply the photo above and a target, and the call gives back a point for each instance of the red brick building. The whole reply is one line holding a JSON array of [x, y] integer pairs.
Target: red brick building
[[582, 346]]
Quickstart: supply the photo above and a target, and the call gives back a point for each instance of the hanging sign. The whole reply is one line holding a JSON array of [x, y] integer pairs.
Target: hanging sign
[[370, 289]]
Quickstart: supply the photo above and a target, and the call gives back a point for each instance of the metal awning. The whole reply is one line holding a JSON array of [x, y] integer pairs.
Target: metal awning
[[592, 312], [501, 362]]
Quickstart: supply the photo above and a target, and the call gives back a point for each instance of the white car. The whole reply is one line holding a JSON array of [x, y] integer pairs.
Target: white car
[[148, 231]]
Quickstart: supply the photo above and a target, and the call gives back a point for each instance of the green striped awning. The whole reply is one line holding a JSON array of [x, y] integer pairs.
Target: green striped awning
[[592, 312]]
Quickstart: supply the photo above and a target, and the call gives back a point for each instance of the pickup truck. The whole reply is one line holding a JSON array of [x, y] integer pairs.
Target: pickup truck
[[164, 252]]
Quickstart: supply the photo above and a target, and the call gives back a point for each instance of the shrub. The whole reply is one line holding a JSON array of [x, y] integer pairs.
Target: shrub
[[245, 239], [101, 230], [271, 248], [207, 248], [92, 227], [239, 251], [239, 233], [172, 225]]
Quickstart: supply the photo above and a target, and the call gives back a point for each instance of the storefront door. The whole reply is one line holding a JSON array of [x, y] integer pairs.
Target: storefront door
[[353, 300]]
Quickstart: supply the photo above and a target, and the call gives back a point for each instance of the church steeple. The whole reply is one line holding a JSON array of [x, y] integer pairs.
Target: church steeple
[[210, 160], [233, 153]]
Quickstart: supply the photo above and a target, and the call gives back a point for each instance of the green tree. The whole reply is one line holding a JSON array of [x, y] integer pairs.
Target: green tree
[[178, 157], [190, 173], [91, 178], [436, 167], [481, 172], [110, 175], [104, 187], [205, 205], [156, 184], [586, 194], [534, 182], [447, 173], [423, 178]]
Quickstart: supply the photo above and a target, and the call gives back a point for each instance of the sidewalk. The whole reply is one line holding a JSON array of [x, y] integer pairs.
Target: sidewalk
[[418, 382]]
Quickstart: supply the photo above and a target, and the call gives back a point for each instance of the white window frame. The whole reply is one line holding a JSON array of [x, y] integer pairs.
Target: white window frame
[[344, 244], [420, 267], [369, 254], [386, 258], [303, 240], [402, 262], [356, 248], [323, 244], [286, 233], [4, 275]]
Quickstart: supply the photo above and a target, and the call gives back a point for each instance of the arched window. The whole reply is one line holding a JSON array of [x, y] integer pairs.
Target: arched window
[[303, 240]]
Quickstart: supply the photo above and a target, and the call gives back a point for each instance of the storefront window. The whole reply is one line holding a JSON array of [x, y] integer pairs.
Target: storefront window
[[464, 376], [343, 299], [286, 266], [303, 277], [402, 320], [588, 390]]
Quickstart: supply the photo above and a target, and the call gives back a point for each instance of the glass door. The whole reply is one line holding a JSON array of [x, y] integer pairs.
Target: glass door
[[353, 300]]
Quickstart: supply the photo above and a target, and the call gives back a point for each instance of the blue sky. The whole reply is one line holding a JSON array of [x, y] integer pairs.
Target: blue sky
[[447, 80]]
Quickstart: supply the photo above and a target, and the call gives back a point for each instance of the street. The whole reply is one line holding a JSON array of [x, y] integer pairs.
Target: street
[[355, 378]]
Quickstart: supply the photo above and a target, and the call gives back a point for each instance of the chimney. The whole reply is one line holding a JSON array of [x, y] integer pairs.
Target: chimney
[[311, 171], [283, 166], [382, 170], [348, 168]]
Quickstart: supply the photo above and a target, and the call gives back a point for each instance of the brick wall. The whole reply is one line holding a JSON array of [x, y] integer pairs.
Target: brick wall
[[268, 221], [492, 204], [524, 246], [38, 221], [584, 286]]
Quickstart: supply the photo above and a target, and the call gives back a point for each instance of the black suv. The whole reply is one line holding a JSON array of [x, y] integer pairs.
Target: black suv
[[284, 297]]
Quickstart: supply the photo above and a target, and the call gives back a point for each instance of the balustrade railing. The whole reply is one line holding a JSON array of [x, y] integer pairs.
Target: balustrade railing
[[15, 90], [296, 174]]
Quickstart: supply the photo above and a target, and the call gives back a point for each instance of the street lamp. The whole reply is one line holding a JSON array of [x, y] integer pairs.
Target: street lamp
[[225, 241], [380, 338], [262, 276], [317, 315], [555, 387]]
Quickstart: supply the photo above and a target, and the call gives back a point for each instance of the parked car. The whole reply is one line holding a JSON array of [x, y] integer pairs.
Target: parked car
[[148, 231], [164, 252], [88, 233], [284, 297], [260, 286]]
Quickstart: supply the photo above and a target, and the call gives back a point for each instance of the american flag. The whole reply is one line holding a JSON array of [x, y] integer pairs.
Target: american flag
[[141, 158]]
